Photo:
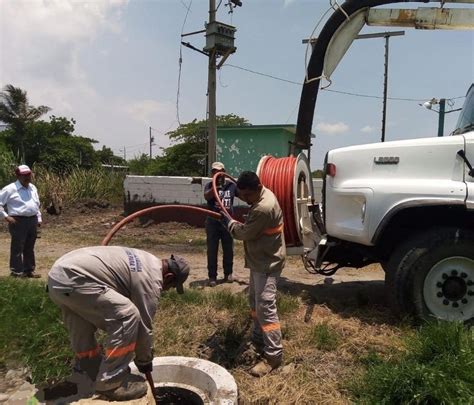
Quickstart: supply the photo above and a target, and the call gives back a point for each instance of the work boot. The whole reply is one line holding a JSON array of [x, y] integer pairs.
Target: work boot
[[265, 366], [228, 278], [132, 387], [212, 282]]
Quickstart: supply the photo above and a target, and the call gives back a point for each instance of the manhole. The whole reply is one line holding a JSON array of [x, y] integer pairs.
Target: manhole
[[63, 389], [204, 382], [177, 396]]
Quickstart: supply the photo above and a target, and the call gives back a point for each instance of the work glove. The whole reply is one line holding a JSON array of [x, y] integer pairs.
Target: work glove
[[145, 368], [225, 218]]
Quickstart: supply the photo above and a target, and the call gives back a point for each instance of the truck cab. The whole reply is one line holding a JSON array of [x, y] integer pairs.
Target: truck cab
[[408, 205]]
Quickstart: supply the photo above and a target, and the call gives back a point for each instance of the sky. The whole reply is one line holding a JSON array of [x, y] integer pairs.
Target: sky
[[113, 66]]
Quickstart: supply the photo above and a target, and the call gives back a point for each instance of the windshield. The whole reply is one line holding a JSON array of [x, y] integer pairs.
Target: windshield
[[466, 117]]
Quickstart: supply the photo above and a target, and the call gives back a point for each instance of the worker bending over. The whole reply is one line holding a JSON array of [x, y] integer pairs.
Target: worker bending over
[[115, 289], [265, 255]]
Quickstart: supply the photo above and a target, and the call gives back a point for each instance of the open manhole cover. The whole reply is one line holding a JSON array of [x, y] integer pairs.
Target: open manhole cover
[[176, 395]]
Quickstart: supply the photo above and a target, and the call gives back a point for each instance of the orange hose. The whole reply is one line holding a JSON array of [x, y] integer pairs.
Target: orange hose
[[145, 211], [278, 174]]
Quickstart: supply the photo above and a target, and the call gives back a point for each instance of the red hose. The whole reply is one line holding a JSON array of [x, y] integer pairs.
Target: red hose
[[275, 174], [145, 211], [278, 175]]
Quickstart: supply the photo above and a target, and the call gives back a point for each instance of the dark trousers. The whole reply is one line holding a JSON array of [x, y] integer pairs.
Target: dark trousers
[[215, 232], [22, 253]]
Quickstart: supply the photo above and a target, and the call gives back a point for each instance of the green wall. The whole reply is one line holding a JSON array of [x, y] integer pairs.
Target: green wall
[[240, 148]]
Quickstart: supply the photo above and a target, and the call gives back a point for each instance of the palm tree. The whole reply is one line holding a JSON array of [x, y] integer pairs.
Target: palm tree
[[16, 112]]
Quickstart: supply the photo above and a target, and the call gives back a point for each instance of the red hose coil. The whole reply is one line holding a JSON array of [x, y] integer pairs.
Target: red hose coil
[[278, 175]]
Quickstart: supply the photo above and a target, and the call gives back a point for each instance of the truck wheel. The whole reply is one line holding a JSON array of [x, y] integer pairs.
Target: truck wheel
[[432, 275]]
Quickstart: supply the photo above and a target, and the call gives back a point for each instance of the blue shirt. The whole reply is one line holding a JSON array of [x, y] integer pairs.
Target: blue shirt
[[226, 194], [17, 200]]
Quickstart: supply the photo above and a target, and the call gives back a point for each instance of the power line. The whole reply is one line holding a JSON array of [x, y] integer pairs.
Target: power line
[[333, 91], [180, 60]]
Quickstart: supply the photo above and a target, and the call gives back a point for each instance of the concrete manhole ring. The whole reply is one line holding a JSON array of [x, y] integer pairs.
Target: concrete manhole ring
[[211, 382]]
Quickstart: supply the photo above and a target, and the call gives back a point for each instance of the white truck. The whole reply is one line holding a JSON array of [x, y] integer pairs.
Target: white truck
[[409, 205], [406, 204]]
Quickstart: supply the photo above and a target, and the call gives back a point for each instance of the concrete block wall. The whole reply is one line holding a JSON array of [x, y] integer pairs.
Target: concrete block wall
[[152, 190]]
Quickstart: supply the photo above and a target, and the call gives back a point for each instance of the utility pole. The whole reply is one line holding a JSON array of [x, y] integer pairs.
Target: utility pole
[[152, 139], [219, 44], [442, 111], [211, 95], [385, 81], [124, 154]]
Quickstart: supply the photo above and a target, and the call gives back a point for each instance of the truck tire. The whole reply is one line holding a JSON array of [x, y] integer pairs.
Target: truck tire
[[431, 275]]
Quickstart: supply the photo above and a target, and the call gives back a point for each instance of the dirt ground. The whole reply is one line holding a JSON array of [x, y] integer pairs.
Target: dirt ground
[[82, 226], [352, 298]]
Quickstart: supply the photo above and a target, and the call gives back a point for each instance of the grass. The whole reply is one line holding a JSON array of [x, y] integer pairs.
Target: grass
[[324, 337], [31, 331], [435, 367], [328, 359], [336, 351]]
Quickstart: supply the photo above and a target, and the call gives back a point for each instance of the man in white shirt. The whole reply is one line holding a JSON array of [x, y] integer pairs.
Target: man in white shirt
[[20, 206]]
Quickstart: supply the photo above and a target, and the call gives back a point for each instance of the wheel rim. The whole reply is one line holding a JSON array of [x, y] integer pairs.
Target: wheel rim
[[449, 289]]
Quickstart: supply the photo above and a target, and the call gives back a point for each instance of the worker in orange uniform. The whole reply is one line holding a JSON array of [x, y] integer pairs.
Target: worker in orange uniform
[[115, 289], [265, 255]]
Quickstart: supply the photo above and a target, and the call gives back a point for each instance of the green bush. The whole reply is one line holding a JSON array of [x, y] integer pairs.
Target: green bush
[[31, 330], [437, 368]]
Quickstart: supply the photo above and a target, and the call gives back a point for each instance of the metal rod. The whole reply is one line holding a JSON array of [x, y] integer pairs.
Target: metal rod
[[149, 378], [385, 85], [192, 33]]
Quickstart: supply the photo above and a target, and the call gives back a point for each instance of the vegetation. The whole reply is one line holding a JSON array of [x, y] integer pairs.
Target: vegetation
[[187, 157], [79, 184], [436, 367], [16, 112], [52, 144], [31, 330]]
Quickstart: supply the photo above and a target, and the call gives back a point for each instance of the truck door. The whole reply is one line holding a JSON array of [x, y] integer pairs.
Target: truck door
[[469, 180]]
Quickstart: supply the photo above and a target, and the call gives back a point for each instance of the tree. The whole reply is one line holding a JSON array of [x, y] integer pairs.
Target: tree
[[106, 156], [317, 174], [188, 156], [16, 111]]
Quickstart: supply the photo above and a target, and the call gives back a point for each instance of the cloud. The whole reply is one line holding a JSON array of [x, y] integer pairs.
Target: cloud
[[288, 2], [367, 129], [147, 111], [42, 38], [336, 128]]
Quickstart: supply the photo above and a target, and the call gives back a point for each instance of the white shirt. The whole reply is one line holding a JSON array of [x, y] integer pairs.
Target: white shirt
[[17, 200]]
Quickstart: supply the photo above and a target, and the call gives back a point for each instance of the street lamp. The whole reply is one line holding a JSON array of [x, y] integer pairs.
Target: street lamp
[[441, 111]]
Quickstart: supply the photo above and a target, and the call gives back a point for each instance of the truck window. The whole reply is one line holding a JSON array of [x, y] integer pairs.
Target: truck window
[[466, 117]]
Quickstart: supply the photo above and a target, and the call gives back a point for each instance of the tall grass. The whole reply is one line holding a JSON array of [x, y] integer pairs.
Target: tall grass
[[79, 184], [7, 166], [437, 368], [31, 331]]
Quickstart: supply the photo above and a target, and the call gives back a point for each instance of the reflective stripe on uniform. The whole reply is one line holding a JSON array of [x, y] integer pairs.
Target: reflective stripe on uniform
[[271, 327], [274, 230], [88, 353], [120, 351]]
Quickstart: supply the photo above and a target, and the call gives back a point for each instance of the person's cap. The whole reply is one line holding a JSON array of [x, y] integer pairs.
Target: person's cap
[[180, 268], [22, 170], [218, 166]]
